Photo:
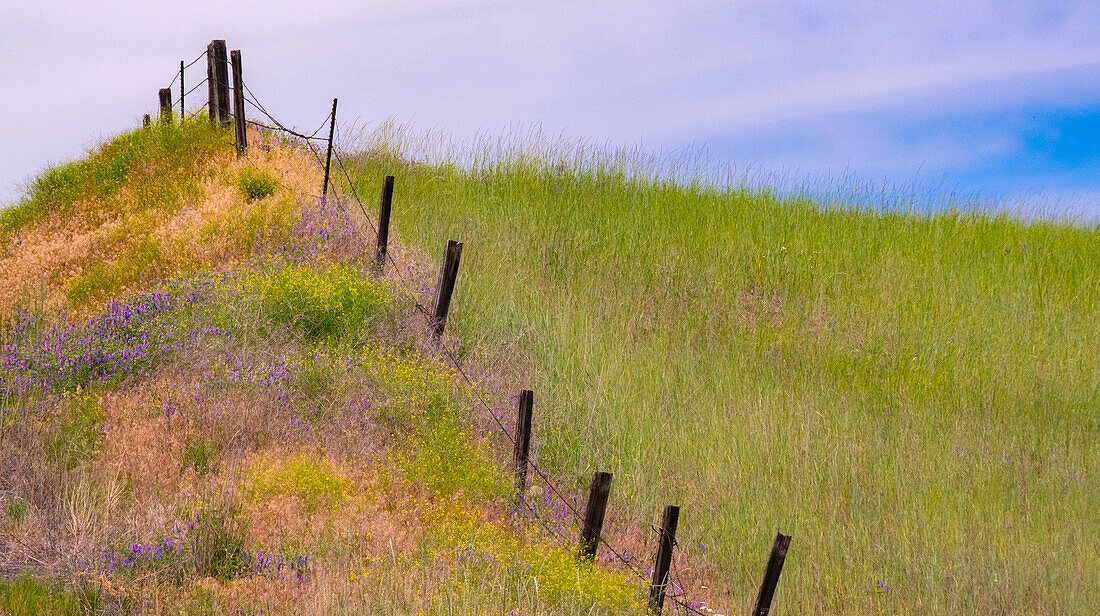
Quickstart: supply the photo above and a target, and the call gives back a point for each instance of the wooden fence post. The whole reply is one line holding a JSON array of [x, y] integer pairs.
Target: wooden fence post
[[594, 514], [146, 121], [239, 126], [445, 287], [383, 223], [183, 110], [165, 96], [523, 439], [328, 159], [218, 85], [667, 539], [771, 575]]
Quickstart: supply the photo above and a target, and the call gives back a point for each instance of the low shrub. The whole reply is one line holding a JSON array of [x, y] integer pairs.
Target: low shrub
[[446, 458], [459, 534], [217, 544], [256, 184], [320, 301], [313, 481]]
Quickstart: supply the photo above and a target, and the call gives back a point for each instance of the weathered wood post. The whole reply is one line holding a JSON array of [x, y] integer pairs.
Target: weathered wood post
[[239, 126], [659, 584], [165, 95], [328, 158], [524, 411], [446, 286], [593, 515], [771, 575], [383, 223], [146, 121], [217, 74]]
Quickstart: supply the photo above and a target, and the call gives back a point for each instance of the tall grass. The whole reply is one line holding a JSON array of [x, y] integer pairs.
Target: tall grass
[[915, 398]]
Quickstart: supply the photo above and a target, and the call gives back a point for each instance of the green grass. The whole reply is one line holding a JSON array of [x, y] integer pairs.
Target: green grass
[[23, 596], [101, 280], [200, 455], [15, 509], [156, 166], [78, 433], [914, 398]]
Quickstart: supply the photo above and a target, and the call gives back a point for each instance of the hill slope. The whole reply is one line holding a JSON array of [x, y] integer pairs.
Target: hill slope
[[209, 404], [915, 398]]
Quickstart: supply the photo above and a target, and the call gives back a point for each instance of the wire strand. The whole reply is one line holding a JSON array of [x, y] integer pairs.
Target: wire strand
[[450, 356]]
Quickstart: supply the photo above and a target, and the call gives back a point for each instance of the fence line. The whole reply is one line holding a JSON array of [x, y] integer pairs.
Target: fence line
[[454, 361], [672, 581]]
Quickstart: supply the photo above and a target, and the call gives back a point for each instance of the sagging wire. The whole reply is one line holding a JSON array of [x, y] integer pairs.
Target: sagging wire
[[629, 563]]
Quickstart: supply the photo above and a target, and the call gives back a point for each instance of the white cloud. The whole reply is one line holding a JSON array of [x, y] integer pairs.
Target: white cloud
[[654, 72]]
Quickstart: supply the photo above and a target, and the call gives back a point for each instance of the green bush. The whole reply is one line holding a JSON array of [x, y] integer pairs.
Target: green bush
[[320, 302], [256, 184], [217, 544]]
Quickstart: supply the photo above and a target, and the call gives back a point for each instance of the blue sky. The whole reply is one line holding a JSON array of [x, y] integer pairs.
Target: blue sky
[[990, 98]]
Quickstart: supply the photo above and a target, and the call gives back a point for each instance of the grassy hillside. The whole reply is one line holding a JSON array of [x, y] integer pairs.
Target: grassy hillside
[[209, 404], [916, 399]]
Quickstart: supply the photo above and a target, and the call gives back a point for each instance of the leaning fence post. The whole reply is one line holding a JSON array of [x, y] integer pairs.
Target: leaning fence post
[[523, 439], [667, 539], [384, 222], [218, 86], [239, 127], [328, 159], [165, 96], [593, 515], [771, 575], [445, 288]]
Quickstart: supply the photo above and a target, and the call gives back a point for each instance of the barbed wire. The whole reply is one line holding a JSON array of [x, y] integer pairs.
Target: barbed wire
[[189, 65], [197, 58], [193, 88], [458, 367], [457, 364]]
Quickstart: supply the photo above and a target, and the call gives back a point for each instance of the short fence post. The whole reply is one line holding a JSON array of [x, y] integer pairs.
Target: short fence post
[[594, 514], [659, 583], [218, 85], [165, 95], [445, 288], [523, 439], [328, 159], [146, 121], [183, 110], [239, 127], [383, 223], [771, 575]]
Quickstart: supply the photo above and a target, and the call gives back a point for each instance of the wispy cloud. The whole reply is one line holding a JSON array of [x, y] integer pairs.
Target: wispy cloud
[[791, 83]]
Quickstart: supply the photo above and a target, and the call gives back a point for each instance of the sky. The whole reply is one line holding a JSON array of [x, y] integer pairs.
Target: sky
[[998, 100]]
